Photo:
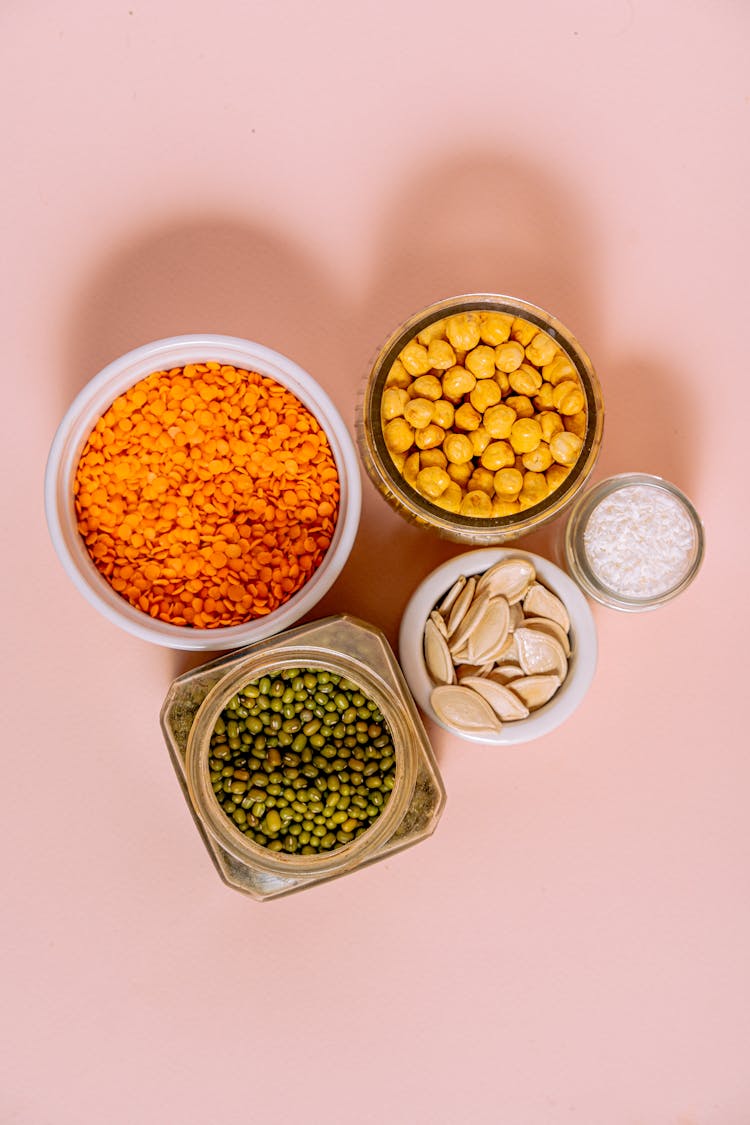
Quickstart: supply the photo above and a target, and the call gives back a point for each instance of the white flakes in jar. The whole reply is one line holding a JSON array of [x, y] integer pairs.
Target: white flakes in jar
[[640, 541]]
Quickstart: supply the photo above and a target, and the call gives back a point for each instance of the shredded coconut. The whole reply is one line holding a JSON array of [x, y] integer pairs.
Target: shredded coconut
[[640, 541]]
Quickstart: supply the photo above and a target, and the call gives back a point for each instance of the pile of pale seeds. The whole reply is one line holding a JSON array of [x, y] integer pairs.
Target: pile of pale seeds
[[496, 648]]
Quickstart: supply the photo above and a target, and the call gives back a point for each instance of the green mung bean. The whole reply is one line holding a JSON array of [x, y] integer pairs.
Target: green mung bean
[[282, 767]]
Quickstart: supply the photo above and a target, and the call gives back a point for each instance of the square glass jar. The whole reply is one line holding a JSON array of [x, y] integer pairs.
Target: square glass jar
[[350, 648]]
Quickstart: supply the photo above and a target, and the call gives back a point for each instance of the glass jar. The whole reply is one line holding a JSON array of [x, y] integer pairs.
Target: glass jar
[[478, 532], [633, 542], [349, 648]]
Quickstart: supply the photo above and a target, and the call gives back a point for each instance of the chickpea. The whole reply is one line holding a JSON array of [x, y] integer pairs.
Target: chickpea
[[497, 455], [568, 397], [434, 331], [430, 457], [485, 394], [463, 330], [534, 488], [526, 380], [399, 436], [555, 475], [457, 382], [418, 412], [509, 357], [499, 419], [522, 331], [576, 423], [525, 435], [504, 507], [565, 448], [479, 439], [476, 504], [560, 368], [551, 424], [450, 500], [398, 376], [508, 483], [482, 480], [432, 482], [502, 381], [495, 327], [399, 460], [393, 402], [538, 460], [457, 448], [481, 362], [467, 418], [443, 413], [441, 355], [429, 437], [415, 359], [543, 399], [459, 473], [541, 349], [411, 468], [426, 386], [522, 405]]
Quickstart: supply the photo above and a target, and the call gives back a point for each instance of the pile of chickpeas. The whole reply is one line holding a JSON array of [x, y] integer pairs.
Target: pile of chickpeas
[[483, 414]]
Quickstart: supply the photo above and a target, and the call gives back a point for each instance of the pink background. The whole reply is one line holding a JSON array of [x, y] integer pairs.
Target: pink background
[[572, 944]]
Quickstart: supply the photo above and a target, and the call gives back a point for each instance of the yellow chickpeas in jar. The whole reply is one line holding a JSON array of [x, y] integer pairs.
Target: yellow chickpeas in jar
[[483, 413]]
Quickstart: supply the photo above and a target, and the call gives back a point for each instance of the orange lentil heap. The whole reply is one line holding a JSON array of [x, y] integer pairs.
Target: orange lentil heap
[[207, 495]]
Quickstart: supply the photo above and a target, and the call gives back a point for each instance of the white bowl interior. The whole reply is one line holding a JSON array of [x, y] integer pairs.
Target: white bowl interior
[[582, 664], [95, 399]]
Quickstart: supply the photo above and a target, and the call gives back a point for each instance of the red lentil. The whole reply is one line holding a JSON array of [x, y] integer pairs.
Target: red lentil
[[207, 495]]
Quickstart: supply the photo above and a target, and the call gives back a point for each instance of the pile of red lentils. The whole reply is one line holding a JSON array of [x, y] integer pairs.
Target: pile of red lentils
[[207, 495]]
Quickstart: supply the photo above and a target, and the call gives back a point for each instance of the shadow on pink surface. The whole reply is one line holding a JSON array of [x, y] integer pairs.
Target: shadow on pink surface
[[479, 223]]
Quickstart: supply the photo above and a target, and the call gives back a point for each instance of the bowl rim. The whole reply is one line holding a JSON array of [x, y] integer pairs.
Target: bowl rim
[[91, 402], [583, 629]]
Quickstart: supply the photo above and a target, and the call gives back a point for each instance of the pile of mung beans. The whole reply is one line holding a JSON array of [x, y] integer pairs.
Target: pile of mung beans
[[302, 761]]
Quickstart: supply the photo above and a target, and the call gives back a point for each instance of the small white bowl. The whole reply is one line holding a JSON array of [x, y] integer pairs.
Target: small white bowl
[[583, 642], [97, 396]]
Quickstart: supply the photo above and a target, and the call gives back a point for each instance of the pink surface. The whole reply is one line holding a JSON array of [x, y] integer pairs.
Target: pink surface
[[572, 944]]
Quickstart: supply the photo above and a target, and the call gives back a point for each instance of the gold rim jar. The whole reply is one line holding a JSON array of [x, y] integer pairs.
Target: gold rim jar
[[417, 508]]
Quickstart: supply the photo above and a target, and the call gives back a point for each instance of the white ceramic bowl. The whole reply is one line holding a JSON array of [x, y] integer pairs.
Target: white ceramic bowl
[[582, 662], [95, 399]]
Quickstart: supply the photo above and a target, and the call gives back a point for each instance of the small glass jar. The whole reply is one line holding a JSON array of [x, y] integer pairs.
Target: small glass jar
[[620, 556], [478, 532], [349, 648]]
